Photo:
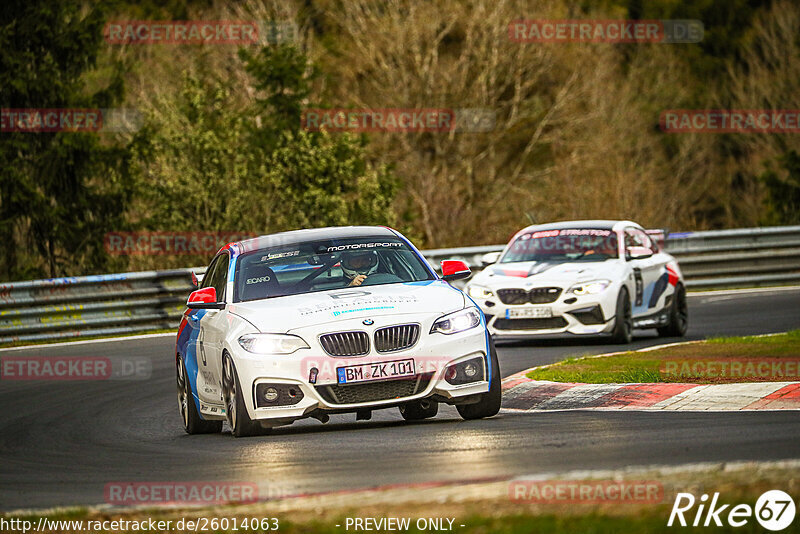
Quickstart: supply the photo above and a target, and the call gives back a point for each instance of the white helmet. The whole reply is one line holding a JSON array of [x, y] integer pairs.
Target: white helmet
[[360, 262]]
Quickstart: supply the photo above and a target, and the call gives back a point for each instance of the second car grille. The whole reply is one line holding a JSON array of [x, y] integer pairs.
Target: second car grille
[[543, 295], [374, 391], [512, 296], [394, 338], [537, 295], [530, 324], [345, 343]]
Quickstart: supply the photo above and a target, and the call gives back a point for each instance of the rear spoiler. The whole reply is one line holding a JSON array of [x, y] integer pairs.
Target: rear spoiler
[[659, 236]]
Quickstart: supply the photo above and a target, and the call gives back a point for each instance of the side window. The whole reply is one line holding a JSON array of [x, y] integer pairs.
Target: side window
[[629, 239], [637, 238], [220, 277], [217, 275], [209, 276]]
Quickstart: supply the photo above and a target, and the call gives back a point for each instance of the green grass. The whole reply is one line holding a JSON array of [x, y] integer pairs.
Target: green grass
[[653, 521], [628, 367], [646, 366], [644, 521], [494, 512], [779, 339], [549, 524]]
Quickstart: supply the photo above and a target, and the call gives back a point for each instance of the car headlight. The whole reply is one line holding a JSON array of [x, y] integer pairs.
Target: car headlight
[[272, 343], [479, 292], [459, 321], [590, 288]]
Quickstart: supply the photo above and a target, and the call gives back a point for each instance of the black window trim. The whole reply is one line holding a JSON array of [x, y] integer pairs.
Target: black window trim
[[207, 279]]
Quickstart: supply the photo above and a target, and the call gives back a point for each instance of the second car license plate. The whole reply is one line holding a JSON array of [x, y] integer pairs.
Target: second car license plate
[[375, 371], [540, 312]]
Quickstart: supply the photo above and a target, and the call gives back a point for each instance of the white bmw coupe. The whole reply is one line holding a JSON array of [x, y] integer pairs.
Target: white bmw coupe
[[582, 277], [333, 320]]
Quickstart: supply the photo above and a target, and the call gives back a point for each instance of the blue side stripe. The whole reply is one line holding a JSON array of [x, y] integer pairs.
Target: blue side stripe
[[190, 356]]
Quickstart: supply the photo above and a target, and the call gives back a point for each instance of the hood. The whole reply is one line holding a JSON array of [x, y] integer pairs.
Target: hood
[[283, 314], [519, 273]]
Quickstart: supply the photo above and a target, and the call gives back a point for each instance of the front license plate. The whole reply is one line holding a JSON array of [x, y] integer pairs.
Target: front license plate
[[540, 312], [375, 371]]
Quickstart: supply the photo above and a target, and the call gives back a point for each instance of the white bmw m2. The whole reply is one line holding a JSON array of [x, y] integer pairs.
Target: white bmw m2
[[584, 278], [316, 322]]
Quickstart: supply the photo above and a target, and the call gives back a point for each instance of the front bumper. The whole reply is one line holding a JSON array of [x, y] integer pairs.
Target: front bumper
[[432, 355], [570, 314]]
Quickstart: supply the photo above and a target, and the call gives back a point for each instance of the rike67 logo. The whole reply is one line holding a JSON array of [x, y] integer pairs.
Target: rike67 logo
[[774, 510]]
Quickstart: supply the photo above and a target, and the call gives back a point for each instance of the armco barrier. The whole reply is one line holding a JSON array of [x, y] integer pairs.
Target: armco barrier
[[84, 306], [92, 305]]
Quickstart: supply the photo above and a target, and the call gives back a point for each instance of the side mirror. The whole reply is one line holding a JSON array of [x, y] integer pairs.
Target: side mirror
[[455, 270], [490, 258], [205, 298], [638, 253]]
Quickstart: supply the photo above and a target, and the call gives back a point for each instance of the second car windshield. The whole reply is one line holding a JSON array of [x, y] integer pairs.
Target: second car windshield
[[307, 267], [569, 244]]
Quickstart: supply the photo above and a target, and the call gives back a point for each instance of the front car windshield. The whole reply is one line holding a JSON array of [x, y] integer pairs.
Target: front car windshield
[[562, 245], [311, 266]]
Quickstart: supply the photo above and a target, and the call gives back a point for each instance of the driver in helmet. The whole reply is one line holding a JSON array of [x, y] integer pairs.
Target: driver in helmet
[[358, 265]]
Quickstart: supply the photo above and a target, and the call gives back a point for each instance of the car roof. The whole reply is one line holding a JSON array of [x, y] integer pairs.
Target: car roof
[[599, 224], [314, 234]]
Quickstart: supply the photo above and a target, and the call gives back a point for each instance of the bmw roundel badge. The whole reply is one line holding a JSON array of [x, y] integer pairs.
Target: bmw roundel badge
[[368, 322]]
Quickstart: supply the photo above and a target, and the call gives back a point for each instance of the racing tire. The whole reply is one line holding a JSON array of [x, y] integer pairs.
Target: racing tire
[[678, 315], [192, 422], [623, 329], [235, 409], [490, 401], [419, 409]]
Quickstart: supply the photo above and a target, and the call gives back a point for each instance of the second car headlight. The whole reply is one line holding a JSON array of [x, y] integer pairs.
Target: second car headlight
[[272, 343], [479, 292], [590, 288], [455, 322]]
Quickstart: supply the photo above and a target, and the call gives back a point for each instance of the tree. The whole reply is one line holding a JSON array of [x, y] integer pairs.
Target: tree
[[59, 192], [318, 179], [212, 161], [783, 191]]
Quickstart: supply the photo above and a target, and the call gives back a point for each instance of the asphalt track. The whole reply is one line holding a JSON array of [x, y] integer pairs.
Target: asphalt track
[[62, 442]]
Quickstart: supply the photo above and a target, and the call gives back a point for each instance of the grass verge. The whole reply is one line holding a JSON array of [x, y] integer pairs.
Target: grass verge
[[483, 507], [713, 361]]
